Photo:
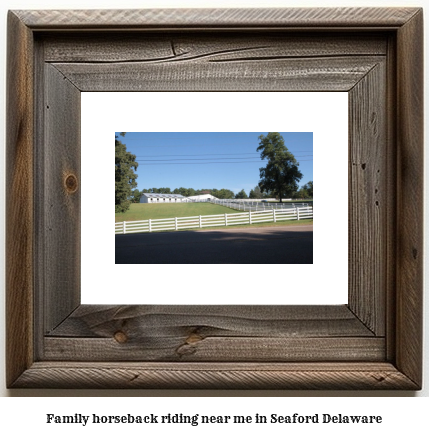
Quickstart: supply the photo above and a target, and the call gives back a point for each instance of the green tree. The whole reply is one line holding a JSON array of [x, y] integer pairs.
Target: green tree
[[309, 188], [181, 191], [242, 194], [125, 177], [301, 194], [281, 175], [135, 196], [191, 192], [255, 192], [224, 194]]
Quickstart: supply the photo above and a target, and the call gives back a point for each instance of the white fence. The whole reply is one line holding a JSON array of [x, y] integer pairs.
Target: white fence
[[257, 205], [226, 219]]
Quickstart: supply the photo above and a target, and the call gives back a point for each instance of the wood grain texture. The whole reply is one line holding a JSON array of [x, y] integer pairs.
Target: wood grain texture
[[199, 62], [367, 199], [213, 333], [111, 375], [409, 271], [61, 186], [40, 261], [200, 46], [19, 200], [391, 192], [193, 348], [330, 74], [289, 18], [99, 321]]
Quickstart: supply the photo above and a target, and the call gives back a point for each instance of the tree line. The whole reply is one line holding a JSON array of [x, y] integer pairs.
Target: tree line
[[305, 191], [278, 179], [186, 192]]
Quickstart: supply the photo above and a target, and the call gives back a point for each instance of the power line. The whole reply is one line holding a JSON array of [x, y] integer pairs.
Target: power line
[[220, 158], [190, 145], [210, 154], [208, 159], [198, 163], [166, 160], [204, 154]]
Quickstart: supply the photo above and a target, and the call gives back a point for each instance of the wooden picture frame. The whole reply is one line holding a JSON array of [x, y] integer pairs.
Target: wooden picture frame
[[373, 342]]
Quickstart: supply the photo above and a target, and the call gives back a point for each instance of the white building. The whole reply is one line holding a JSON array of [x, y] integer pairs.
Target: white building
[[162, 198], [202, 197]]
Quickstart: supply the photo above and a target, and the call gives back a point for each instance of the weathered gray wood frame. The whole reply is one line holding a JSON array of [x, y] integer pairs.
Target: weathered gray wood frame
[[374, 342]]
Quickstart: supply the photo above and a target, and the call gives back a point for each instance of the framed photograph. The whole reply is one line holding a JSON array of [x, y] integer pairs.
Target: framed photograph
[[375, 55]]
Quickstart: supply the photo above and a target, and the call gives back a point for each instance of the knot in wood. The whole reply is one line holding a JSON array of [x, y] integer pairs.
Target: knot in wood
[[120, 337], [193, 337], [71, 183]]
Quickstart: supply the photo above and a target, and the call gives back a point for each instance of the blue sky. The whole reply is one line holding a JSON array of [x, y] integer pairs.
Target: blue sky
[[209, 159]]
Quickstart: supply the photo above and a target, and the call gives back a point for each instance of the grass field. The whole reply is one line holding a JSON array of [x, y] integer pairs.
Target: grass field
[[141, 211]]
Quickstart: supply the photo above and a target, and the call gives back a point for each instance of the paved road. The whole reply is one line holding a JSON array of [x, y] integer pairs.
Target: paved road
[[259, 245]]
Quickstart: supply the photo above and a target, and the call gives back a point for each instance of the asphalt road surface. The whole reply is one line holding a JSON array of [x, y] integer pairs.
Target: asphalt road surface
[[259, 245]]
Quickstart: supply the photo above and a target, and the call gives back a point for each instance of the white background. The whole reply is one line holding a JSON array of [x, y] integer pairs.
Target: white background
[[401, 414], [323, 113]]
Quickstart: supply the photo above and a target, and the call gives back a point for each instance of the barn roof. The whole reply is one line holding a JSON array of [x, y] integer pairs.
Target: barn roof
[[146, 194]]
